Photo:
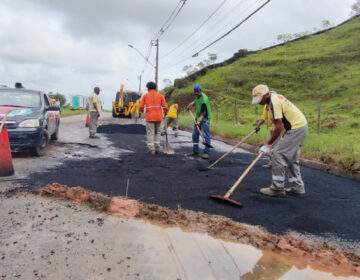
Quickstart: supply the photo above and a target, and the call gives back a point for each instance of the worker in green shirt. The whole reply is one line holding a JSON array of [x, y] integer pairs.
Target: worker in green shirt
[[202, 118]]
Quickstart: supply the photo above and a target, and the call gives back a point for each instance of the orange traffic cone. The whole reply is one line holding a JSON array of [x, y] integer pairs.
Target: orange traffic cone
[[6, 166], [87, 120]]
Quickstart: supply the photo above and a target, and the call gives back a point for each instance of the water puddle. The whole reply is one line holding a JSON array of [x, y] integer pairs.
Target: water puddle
[[200, 256]]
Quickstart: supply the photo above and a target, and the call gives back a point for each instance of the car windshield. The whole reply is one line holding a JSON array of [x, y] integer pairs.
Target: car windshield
[[20, 99]]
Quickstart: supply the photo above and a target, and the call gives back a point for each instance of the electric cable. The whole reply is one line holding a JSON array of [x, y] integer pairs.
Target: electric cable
[[231, 30], [196, 30]]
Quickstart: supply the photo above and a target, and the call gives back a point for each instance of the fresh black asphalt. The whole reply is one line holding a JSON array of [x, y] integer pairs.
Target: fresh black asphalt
[[331, 205]]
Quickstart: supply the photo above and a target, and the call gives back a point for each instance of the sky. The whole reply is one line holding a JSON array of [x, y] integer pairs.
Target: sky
[[70, 46]]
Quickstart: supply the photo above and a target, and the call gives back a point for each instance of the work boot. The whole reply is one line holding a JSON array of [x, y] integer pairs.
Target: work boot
[[268, 165], [157, 150], [292, 192], [151, 152], [95, 136], [205, 156], [193, 155], [271, 192]]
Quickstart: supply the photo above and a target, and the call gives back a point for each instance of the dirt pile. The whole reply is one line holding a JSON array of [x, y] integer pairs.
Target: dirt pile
[[119, 207], [320, 255]]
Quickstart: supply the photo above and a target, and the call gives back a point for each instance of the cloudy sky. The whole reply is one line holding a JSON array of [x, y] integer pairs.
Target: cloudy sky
[[70, 46]]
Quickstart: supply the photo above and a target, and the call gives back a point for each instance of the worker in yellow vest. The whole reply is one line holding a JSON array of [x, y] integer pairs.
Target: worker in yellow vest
[[172, 119]]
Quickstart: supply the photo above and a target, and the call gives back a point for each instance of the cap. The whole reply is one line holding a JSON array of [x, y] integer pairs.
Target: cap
[[258, 92], [197, 87]]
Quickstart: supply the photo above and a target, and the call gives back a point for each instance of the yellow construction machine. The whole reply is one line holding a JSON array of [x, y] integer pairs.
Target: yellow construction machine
[[126, 104]]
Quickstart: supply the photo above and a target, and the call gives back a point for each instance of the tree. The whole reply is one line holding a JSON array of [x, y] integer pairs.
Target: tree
[[212, 57], [325, 24], [355, 8], [189, 69], [167, 82], [284, 37]]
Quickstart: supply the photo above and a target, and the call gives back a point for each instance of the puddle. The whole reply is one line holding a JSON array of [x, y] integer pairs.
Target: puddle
[[205, 257]]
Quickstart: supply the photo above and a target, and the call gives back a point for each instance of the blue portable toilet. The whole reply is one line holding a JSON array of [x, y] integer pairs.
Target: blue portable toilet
[[75, 102]]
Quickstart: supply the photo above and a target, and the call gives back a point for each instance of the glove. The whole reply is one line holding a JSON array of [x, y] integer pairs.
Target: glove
[[266, 149], [257, 129]]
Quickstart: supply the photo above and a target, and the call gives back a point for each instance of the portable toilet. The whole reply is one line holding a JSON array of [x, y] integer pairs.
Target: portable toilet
[[75, 102]]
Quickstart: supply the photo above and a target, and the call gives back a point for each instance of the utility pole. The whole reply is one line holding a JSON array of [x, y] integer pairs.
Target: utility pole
[[140, 83], [157, 63]]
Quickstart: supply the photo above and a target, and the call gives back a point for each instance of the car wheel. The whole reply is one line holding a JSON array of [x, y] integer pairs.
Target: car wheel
[[44, 143], [113, 113], [55, 135]]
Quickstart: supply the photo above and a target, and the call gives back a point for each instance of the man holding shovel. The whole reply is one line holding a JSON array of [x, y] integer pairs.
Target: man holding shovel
[[286, 154], [202, 121]]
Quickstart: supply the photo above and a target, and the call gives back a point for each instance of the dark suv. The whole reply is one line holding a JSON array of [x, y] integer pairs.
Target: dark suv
[[31, 119]]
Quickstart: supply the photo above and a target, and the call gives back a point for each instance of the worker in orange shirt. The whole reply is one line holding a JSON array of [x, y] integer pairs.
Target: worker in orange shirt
[[154, 105]]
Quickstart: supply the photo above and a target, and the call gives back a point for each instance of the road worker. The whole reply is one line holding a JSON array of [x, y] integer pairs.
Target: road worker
[[286, 154], [267, 117], [95, 110], [155, 106], [172, 119], [202, 119]]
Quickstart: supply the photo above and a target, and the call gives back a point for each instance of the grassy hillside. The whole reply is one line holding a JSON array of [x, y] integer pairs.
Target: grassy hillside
[[321, 69]]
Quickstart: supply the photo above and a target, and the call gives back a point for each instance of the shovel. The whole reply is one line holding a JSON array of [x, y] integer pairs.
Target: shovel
[[198, 128], [167, 148], [227, 153], [226, 198]]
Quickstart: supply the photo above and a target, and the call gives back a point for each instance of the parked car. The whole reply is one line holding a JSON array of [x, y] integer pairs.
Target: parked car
[[32, 119]]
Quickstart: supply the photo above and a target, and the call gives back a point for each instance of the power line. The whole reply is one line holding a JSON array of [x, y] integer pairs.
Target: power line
[[171, 19], [235, 27], [186, 57], [196, 30], [198, 43]]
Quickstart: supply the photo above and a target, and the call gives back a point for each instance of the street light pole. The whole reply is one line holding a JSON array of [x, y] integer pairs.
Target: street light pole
[[157, 63]]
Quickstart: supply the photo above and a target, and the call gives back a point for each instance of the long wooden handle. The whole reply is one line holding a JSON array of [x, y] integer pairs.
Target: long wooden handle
[[198, 128], [237, 145], [243, 175]]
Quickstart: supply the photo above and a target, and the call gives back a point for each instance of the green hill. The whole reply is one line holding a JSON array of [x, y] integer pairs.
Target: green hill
[[320, 69]]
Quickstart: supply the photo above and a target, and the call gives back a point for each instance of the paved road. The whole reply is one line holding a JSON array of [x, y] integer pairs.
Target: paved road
[[330, 209]]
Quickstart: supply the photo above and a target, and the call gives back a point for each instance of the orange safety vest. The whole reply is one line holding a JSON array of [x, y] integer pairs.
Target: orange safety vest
[[155, 104]]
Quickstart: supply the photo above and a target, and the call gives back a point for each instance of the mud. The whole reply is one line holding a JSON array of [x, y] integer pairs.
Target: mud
[[321, 255]]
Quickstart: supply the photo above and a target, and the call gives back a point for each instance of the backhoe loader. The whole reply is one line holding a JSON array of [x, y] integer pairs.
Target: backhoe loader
[[126, 104]]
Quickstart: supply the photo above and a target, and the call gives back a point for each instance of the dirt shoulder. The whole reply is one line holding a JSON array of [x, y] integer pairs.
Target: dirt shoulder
[[307, 251]]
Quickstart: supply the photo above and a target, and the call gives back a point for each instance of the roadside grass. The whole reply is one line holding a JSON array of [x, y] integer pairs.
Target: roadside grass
[[65, 111], [342, 150]]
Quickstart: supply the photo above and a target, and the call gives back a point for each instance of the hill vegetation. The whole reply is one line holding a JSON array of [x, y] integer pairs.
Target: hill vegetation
[[320, 69]]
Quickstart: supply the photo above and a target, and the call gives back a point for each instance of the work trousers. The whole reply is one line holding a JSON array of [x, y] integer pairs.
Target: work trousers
[[286, 156], [93, 123], [153, 135], [172, 122], [274, 144], [205, 128]]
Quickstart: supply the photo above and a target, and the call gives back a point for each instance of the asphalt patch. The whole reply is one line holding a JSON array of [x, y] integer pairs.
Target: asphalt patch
[[125, 129], [330, 206]]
